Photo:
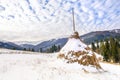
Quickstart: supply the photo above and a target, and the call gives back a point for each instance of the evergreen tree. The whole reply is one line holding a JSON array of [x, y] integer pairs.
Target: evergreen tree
[[93, 46], [97, 45], [24, 49], [114, 50], [103, 51], [14, 48], [54, 48], [29, 49], [58, 48], [110, 49], [107, 51], [32, 50], [41, 50]]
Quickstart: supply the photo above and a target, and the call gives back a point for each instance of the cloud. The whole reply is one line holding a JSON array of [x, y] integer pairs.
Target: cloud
[[2, 8], [40, 19]]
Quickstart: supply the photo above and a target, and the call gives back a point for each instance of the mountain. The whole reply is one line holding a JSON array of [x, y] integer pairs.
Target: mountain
[[100, 35], [48, 44], [27, 44], [116, 31], [10, 45], [87, 38]]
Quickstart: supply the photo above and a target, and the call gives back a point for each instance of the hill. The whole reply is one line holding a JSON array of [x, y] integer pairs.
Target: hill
[[86, 38], [100, 35], [10, 45], [45, 45]]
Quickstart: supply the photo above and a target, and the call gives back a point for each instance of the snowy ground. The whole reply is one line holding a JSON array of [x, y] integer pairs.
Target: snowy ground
[[36, 66]]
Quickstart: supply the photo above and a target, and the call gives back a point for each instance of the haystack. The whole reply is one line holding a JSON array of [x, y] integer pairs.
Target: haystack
[[75, 51]]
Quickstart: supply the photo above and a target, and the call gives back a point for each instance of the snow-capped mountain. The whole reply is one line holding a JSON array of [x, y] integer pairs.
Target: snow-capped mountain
[[87, 38], [27, 42], [100, 35], [115, 30]]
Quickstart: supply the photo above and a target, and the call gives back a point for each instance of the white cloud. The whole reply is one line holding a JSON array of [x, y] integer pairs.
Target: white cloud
[[45, 20]]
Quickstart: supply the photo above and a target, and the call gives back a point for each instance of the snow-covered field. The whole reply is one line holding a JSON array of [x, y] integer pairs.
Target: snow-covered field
[[37, 66]]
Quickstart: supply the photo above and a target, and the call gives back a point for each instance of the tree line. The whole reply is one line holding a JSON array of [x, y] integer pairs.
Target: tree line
[[54, 48], [109, 49]]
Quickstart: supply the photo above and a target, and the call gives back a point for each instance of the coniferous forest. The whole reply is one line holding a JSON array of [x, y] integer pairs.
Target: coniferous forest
[[109, 49]]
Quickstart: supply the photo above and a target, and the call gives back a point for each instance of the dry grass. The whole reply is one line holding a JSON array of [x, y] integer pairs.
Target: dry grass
[[81, 58], [75, 35]]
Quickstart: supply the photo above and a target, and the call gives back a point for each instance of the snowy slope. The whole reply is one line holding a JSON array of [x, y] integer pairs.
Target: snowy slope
[[38, 66]]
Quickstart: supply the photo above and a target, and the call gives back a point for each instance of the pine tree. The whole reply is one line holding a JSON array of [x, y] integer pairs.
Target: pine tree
[[117, 51], [29, 49], [114, 50], [107, 51], [110, 49], [58, 48], [33, 50], [24, 49], [93, 46], [103, 51], [54, 48], [14, 48], [97, 44], [41, 50]]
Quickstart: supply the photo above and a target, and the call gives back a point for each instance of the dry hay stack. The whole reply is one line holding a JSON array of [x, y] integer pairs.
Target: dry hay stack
[[84, 57]]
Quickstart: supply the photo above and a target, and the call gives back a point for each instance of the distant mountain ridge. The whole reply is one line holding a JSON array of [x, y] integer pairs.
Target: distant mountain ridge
[[10, 45], [100, 35], [87, 38]]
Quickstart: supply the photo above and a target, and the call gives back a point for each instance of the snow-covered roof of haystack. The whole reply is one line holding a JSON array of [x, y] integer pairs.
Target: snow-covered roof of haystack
[[73, 45]]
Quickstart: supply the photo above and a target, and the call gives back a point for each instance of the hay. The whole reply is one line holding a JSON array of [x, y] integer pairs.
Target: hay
[[81, 57], [75, 35]]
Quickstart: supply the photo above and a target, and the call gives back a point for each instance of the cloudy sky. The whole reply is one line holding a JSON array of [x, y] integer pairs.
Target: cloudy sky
[[34, 20]]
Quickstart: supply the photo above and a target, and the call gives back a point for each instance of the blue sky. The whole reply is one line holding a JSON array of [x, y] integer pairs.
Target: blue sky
[[34, 20]]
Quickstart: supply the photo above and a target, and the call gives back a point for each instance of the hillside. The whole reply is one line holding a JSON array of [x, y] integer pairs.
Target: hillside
[[10, 45], [37, 66], [36, 45], [87, 38], [100, 35]]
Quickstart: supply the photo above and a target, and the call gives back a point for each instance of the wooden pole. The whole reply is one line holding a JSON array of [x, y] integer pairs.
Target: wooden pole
[[73, 20]]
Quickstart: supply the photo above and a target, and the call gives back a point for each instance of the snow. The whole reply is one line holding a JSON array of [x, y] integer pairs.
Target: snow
[[27, 42], [73, 45], [37, 66], [77, 45]]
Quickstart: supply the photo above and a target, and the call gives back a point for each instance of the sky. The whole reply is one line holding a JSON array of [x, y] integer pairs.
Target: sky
[[35, 20]]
